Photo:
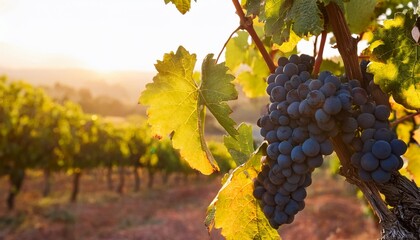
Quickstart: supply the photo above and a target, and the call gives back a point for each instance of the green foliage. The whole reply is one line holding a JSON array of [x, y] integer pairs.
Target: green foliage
[[176, 96], [301, 16], [235, 210], [241, 147], [413, 165], [333, 65], [183, 6], [222, 156], [246, 61], [395, 60], [359, 14]]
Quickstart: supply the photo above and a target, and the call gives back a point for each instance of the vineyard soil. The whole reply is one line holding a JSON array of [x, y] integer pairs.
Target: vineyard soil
[[172, 211]]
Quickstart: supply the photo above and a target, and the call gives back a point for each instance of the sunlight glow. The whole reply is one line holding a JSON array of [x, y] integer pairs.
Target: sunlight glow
[[108, 35]]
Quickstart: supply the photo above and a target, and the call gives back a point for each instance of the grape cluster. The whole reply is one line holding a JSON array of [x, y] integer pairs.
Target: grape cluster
[[303, 115], [377, 148], [297, 127]]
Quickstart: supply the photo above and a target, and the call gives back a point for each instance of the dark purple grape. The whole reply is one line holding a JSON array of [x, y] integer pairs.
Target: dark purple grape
[[282, 61], [390, 164], [281, 79], [271, 78], [382, 112], [314, 162], [398, 147], [290, 69], [299, 194], [315, 84], [291, 208], [297, 154], [284, 161], [366, 120], [294, 59], [258, 192], [323, 75], [285, 147], [360, 96], [311, 147], [332, 105], [381, 176], [381, 149], [328, 89], [268, 210], [349, 125], [280, 218], [369, 162], [278, 93]]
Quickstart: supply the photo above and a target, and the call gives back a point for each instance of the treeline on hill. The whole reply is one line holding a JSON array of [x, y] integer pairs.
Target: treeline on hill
[[37, 133]]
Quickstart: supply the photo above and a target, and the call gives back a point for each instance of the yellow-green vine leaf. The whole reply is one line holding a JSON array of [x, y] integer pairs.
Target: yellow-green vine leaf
[[216, 88], [291, 44], [245, 60], [177, 104], [183, 6], [235, 210], [237, 50], [359, 14], [413, 163], [281, 16], [396, 60], [242, 147]]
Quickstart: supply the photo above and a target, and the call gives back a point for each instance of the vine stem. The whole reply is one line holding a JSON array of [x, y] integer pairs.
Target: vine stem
[[227, 41], [400, 120], [246, 23], [346, 44], [318, 60]]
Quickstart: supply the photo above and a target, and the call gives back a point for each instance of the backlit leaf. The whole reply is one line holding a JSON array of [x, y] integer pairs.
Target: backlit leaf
[[242, 147], [413, 165], [177, 104], [235, 209], [183, 6], [396, 60], [359, 14]]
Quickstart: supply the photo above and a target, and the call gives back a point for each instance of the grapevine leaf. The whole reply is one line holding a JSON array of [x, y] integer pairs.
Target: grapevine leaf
[[359, 14], [404, 129], [302, 16], [252, 84], [275, 14], [396, 60], [291, 44], [340, 3], [237, 50], [240, 53], [253, 7], [217, 88], [306, 18], [183, 6], [235, 209], [177, 104], [413, 165], [242, 147], [335, 66]]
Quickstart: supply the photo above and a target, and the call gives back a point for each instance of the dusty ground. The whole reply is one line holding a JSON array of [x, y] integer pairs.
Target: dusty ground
[[173, 211]]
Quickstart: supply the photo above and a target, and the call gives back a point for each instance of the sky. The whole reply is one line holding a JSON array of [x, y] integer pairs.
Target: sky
[[108, 35], [112, 35]]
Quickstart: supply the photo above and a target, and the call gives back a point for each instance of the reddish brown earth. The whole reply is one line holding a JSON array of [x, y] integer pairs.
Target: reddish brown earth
[[173, 211]]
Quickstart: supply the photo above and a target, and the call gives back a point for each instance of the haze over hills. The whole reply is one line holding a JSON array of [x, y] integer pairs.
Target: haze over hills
[[122, 85], [116, 94]]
